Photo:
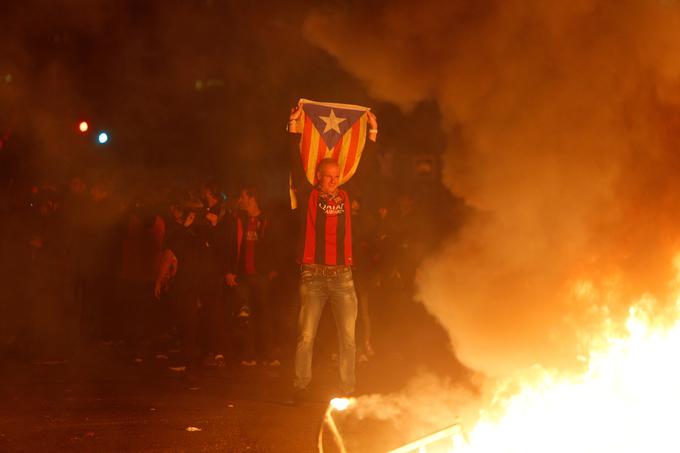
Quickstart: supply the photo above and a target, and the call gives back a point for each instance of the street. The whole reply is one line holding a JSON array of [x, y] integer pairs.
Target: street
[[102, 401]]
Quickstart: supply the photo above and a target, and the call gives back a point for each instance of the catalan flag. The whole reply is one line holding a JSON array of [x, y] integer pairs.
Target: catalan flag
[[331, 130]]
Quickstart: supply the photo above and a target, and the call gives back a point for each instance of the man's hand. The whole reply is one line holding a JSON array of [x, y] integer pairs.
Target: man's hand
[[212, 218], [158, 289], [190, 219], [372, 120], [372, 126], [230, 279], [295, 114]]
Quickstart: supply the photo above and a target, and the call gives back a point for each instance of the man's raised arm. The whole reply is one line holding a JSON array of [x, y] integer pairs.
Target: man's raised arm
[[299, 184]]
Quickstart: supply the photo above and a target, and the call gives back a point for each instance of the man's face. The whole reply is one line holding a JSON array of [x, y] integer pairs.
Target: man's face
[[329, 177], [244, 201], [210, 197], [355, 205], [176, 213]]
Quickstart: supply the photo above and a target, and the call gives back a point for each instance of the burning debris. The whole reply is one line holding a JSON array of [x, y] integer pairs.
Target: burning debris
[[622, 400]]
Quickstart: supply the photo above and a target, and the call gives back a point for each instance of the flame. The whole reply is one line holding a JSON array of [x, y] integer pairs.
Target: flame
[[341, 404], [625, 400]]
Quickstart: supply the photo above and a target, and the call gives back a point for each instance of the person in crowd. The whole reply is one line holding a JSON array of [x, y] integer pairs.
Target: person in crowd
[[141, 251], [253, 268], [383, 246], [213, 230], [179, 274], [361, 230], [410, 236], [195, 256], [324, 277]]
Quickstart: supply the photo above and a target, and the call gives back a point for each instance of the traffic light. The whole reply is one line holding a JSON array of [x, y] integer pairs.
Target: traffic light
[[85, 128]]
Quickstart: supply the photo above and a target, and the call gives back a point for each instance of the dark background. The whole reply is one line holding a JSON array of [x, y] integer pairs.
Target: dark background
[[187, 90]]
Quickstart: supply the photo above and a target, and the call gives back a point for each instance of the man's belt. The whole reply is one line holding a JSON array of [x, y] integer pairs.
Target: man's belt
[[324, 270]]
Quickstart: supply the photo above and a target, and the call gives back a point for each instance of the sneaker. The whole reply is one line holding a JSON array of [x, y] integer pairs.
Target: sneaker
[[248, 362], [213, 361], [274, 362], [244, 312]]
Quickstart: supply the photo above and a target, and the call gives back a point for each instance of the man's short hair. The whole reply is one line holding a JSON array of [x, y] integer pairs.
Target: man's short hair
[[326, 161]]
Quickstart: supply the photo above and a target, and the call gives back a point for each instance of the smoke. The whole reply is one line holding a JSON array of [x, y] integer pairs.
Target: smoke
[[563, 120], [443, 399], [426, 405]]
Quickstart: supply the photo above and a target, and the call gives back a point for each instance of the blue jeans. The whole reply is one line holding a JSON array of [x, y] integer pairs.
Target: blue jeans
[[319, 284]]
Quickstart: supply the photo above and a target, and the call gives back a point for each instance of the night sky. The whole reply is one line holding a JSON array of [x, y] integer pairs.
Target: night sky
[[188, 90]]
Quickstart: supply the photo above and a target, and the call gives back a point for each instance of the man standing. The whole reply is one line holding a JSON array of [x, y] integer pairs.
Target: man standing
[[325, 257], [195, 253], [251, 271]]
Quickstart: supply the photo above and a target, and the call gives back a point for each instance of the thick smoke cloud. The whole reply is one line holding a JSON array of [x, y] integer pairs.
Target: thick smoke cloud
[[563, 120]]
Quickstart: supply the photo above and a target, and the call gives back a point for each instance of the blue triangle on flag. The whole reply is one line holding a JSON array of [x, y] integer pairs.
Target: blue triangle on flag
[[324, 117]]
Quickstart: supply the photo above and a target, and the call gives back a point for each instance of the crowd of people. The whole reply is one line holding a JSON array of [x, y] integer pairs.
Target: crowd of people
[[207, 277]]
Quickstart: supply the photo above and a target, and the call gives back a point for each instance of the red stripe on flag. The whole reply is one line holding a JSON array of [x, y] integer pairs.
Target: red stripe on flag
[[352, 152], [306, 141], [337, 148], [331, 257], [310, 229]]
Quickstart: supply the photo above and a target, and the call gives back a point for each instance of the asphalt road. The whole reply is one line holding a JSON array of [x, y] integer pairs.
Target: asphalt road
[[104, 402], [108, 404], [100, 400]]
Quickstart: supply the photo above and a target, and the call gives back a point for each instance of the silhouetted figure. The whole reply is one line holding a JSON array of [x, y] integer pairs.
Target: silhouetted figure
[[252, 270]]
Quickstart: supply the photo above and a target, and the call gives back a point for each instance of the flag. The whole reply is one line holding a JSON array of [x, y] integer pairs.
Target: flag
[[331, 130]]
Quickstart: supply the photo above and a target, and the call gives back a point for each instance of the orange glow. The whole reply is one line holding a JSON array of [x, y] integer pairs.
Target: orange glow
[[624, 402], [340, 404], [83, 126]]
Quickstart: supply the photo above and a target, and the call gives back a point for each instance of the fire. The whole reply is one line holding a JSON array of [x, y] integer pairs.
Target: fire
[[625, 401], [341, 404]]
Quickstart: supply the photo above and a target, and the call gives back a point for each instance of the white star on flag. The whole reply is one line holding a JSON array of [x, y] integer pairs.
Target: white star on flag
[[332, 122]]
